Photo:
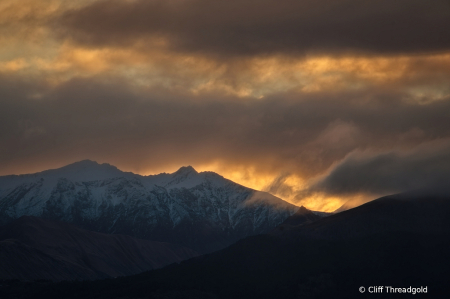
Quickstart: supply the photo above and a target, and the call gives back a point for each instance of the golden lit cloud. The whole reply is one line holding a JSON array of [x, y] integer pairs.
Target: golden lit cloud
[[253, 77], [27, 37], [13, 65]]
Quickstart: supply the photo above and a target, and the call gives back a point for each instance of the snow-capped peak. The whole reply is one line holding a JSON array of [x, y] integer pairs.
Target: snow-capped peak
[[186, 176], [185, 170], [86, 170]]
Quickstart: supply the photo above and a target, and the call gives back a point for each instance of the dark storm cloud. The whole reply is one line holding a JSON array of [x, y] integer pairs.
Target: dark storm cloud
[[247, 27], [107, 120], [427, 166]]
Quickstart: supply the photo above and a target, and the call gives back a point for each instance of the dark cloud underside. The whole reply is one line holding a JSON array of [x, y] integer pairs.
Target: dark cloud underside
[[288, 132], [246, 27]]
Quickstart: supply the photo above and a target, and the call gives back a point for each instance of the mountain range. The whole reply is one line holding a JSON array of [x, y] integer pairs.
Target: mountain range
[[401, 241], [91, 221], [202, 211]]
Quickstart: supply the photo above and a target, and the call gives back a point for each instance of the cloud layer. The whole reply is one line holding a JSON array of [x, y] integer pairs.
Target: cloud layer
[[425, 167], [314, 101], [249, 27]]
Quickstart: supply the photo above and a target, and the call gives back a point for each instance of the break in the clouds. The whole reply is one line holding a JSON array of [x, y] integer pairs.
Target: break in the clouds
[[249, 27]]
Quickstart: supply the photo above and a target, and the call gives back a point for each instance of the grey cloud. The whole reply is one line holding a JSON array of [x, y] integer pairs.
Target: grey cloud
[[248, 27], [108, 121], [425, 167]]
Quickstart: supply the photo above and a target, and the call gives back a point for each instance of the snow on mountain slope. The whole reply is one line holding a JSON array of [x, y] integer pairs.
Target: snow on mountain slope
[[203, 211]]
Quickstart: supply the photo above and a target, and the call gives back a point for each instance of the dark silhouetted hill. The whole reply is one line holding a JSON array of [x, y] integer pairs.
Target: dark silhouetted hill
[[408, 212], [33, 248], [301, 217]]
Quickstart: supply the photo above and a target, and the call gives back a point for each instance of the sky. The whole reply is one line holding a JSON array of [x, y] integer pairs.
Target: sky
[[316, 101]]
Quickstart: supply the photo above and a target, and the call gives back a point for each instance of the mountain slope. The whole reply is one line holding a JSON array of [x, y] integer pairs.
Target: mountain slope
[[202, 211], [407, 212], [297, 265], [301, 217], [33, 248]]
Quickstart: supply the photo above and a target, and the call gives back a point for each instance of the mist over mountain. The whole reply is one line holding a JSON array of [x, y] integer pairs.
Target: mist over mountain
[[202, 211]]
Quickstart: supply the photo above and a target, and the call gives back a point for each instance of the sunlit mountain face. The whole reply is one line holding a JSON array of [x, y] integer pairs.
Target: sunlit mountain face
[[317, 102]]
